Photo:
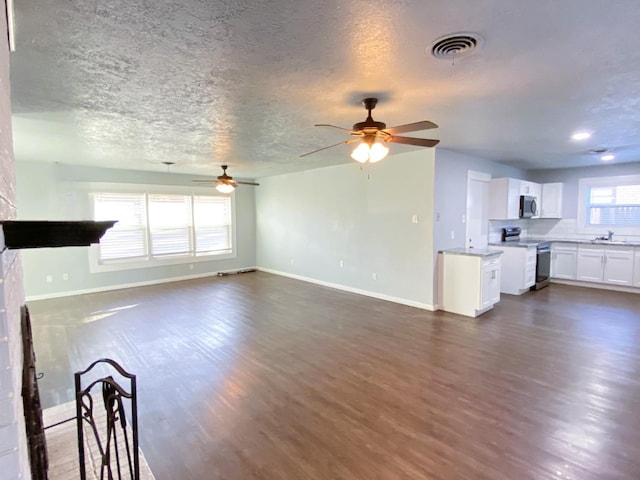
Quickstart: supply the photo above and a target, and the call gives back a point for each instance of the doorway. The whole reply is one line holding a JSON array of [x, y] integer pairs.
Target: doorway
[[477, 217]]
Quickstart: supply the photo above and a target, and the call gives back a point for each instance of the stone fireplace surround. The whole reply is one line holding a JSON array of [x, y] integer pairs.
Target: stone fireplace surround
[[14, 460]]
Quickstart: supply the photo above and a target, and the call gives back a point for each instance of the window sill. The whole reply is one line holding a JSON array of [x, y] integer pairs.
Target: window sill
[[116, 266]]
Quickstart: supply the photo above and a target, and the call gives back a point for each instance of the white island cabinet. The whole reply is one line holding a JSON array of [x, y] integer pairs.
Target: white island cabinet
[[470, 280]]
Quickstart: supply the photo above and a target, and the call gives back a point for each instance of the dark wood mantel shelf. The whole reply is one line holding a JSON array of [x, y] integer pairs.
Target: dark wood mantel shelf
[[42, 234]]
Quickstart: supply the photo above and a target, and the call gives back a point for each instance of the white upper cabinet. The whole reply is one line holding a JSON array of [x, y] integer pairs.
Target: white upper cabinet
[[532, 189], [504, 199], [551, 202]]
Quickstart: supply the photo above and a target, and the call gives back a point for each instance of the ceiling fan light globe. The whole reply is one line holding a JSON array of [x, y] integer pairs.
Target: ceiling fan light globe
[[361, 153], [225, 188], [377, 152]]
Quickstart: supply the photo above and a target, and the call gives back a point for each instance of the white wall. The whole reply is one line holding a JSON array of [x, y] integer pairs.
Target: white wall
[[363, 217], [451, 197], [14, 460], [58, 192], [570, 177]]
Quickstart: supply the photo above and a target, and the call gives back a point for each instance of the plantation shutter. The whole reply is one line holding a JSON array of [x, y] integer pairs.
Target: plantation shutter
[[614, 205], [127, 239], [169, 224], [212, 221]]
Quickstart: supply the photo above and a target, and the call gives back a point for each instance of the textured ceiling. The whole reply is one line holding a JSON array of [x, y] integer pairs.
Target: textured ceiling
[[133, 83]]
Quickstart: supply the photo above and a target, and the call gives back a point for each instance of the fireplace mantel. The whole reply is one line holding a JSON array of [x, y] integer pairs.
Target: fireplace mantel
[[43, 233]]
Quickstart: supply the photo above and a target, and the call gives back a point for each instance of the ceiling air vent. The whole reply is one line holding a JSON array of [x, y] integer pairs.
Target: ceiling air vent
[[455, 45]]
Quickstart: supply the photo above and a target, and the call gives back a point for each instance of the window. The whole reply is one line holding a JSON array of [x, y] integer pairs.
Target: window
[[614, 205], [212, 222], [127, 239], [155, 228], [170, 224], [609, 203]]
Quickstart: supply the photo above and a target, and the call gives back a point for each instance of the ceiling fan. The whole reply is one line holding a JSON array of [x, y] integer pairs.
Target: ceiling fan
[[225, 183], [371, 136]]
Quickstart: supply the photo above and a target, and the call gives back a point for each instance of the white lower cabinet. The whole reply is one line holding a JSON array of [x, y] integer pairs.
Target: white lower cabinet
[[618, 266], [490, 283], [636, 268], [518, 269], [609, 264], [470, 283], [590, 266], [564, 260]]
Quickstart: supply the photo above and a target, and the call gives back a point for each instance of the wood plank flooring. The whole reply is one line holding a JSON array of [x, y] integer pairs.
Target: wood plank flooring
[[256, 376]]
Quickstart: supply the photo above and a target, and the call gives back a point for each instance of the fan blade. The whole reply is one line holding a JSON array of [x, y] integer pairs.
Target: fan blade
[[351, 140], [411, 127], [247, 183], [204, 181], [333, 126], [419, 142]]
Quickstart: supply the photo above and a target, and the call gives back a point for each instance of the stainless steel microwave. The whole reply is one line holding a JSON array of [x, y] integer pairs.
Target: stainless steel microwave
[[528, 206]]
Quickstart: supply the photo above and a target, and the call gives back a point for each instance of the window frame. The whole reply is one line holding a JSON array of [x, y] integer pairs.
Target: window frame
[[584, 186], [96, 266]]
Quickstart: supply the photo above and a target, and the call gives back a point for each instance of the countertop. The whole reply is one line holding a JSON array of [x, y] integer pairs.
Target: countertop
[[474, 252], [532, 242]]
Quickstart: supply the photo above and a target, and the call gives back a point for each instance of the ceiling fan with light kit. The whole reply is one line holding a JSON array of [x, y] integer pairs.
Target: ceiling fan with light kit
[[372, 136], [226, 183]]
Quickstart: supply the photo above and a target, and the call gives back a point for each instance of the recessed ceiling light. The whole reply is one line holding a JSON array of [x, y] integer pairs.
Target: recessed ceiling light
[[580, 136], [607, 157]]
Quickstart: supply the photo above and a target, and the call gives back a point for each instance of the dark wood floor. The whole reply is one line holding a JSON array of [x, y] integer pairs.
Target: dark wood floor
[[256, 376]]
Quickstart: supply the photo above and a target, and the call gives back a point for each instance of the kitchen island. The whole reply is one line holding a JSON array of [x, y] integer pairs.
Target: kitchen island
[[469, 280]]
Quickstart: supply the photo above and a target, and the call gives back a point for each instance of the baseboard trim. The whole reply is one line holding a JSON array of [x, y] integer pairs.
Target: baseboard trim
[[599, 286], [121, 286], [367, 293]]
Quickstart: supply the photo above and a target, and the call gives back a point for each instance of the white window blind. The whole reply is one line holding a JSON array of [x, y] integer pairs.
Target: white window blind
[[127, 239], [162, 227], [170, 224], [615, 205], [212, 222]]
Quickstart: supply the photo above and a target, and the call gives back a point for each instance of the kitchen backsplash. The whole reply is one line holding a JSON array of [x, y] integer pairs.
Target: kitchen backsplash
[[496, 226], [548, 228]]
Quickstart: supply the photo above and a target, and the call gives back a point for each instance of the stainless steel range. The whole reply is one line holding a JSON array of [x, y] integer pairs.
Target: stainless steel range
[[543, 254]]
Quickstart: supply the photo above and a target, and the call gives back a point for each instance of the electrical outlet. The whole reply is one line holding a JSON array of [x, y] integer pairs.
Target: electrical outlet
[[453, 234], [293, 261], [65, 276], [374, 276], [414, 219], [49, 278], [341, 263]]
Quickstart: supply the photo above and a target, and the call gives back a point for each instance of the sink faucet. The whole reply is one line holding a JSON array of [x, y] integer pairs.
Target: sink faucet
[[609, 235]]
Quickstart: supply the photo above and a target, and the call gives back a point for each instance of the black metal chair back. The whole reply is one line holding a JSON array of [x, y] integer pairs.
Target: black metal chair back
[[103, 431]]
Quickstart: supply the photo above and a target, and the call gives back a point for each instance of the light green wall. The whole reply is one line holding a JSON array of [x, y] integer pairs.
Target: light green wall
[[58, 192], [362, 217]]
